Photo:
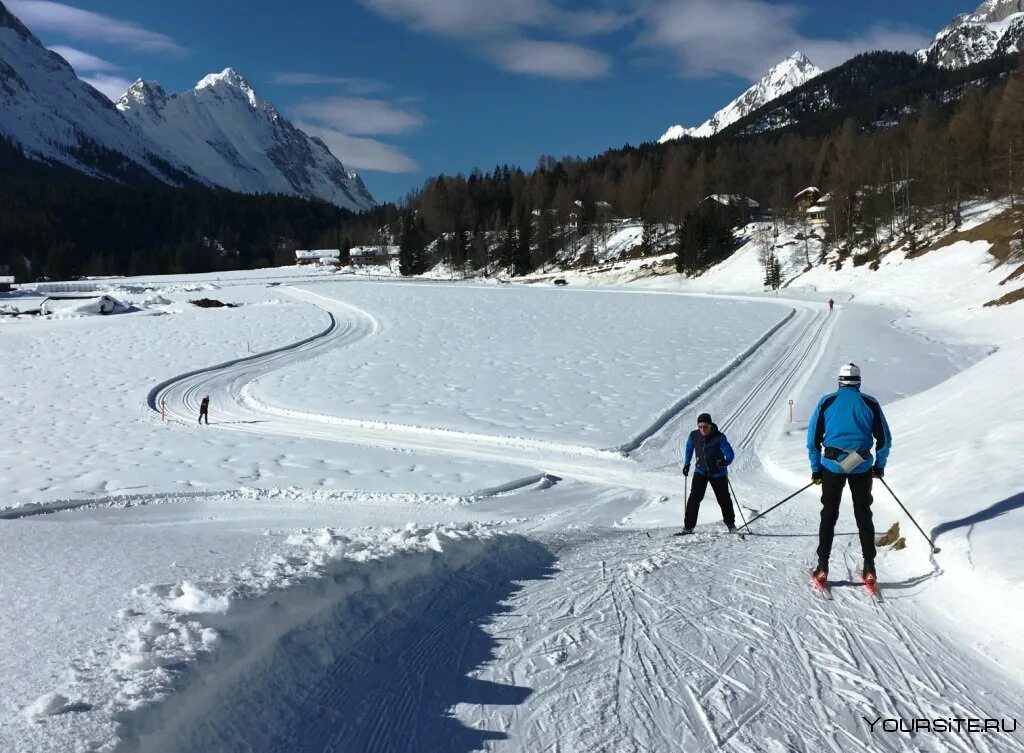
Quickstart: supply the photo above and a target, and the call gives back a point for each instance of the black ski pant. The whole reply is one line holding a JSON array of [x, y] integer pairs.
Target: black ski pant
[[831, 492], [720, 485], [204, 414]]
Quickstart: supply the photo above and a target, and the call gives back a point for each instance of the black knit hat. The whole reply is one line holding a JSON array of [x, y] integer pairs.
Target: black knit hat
[[704, 418]]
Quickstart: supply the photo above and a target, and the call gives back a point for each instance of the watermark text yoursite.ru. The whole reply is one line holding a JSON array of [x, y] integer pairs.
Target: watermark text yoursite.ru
[[941, 724]]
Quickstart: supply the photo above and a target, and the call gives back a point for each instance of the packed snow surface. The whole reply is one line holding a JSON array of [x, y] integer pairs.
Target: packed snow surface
[[436, 516]]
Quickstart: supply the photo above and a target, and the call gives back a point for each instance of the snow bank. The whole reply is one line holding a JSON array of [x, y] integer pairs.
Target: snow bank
[[190, 650]]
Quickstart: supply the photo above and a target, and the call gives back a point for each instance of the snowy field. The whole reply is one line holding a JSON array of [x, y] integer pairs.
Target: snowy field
[[578, 367], [74, 396], [404, 528]]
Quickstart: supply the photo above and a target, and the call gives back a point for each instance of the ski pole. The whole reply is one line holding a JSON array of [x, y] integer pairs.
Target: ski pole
[[738, 505], [935, 549], [686, 490], [761, 515]]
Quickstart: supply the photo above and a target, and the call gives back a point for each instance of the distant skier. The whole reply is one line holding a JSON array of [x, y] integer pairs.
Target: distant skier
[[204, 410], [844, 424], [714, 454], [831, 303]]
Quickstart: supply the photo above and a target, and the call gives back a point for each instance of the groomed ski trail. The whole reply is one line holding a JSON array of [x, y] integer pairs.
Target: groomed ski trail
[[662, 644], [639, 641], [235, 407]]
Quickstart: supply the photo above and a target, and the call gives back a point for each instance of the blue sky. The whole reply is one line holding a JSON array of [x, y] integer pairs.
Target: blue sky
[[405, 89]]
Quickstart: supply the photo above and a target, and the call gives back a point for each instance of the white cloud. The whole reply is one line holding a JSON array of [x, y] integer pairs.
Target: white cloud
[[350, 84], [553, 59], [362, 153], [499, 32], [344, 123], [99, 73], [746, 37], [356, 115], [463, 18], [828, 53], [43, 15], [83, 62], [113, 87]]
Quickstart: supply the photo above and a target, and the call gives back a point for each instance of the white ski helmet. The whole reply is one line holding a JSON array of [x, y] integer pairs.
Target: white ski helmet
[[849, 374]]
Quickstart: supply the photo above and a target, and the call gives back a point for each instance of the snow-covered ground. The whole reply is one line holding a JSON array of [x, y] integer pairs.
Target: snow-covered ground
[[400, 530], [580, 367]]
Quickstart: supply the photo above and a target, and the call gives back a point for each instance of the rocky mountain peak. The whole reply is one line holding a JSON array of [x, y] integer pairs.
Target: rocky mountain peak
[[781, 78]]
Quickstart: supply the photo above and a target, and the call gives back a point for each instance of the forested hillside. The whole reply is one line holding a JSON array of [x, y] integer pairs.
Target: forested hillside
[[899, 140]]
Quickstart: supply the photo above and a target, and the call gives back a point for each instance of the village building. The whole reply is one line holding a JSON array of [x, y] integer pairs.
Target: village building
[[807, 198], [318, 256], [368, 256]]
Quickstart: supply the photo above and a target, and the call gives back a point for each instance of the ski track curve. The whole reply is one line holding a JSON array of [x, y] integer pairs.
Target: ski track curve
[[637, 641], [237, 408]]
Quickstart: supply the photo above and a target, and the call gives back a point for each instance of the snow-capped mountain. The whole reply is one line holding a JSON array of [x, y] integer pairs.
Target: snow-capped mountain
[[231, 137], [996, 27], [56, 117], [792, 72]]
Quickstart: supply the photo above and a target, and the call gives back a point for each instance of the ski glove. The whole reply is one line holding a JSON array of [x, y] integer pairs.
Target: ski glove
[[686, 470], [877, 472], [816, 478]]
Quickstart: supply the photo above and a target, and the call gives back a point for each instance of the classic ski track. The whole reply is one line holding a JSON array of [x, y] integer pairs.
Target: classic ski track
[[652, 643], [236, 408], [724, 632], [705, 674]]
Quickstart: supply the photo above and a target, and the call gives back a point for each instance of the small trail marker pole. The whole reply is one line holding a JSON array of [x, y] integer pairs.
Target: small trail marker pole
[[791, 411], [163, 409]]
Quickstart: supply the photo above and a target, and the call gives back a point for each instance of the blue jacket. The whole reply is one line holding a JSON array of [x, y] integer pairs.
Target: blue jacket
[[848, 420], [714, 453]]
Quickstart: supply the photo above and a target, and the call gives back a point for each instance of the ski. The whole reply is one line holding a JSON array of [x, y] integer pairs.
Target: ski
[[712, 534], [822, 587], [873, 591]]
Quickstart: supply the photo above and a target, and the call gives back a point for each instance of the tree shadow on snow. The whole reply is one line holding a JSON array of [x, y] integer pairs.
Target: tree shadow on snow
[[391, 688], [992, 511]]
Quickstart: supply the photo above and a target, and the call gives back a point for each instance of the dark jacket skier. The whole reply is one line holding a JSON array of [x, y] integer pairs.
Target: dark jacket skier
[[713, 455], [204, 410], [840, 434]]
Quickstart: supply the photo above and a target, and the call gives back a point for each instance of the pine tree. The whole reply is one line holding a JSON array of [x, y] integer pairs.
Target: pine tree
[[411, 247], [1008, 133], [521, 261], [648, 238], [507, 248]]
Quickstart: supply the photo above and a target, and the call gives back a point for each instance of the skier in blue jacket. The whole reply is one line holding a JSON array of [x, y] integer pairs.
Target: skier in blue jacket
[[713, 457], [839, 444]]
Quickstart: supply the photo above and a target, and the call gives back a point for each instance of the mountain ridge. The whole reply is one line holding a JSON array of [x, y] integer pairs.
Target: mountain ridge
[[220, 133], [781, 78], [55, 117], [994, 28], [231, 137]]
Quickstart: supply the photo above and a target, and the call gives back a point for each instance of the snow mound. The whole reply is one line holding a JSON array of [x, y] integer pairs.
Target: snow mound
[[185, 644], [49, 704]]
